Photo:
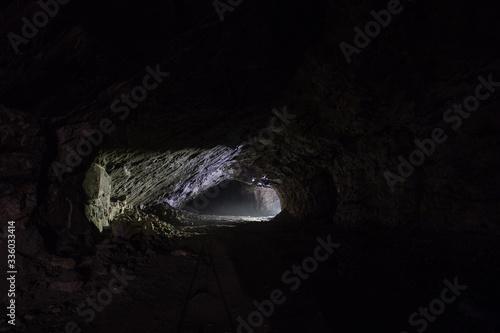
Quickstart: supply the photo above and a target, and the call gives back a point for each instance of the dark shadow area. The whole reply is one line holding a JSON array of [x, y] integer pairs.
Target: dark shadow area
[[166, 168]]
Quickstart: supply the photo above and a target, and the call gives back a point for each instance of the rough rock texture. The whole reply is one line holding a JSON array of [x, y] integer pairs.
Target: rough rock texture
[[97, 186], [266, 201], [267, 95], [348, 123]]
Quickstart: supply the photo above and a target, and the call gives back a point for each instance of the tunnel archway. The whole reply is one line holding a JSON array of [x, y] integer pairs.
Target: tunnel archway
[[236, 198]]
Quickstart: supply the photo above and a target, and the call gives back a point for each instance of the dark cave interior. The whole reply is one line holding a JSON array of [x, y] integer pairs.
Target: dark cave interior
[[235, 198], [230, 166]]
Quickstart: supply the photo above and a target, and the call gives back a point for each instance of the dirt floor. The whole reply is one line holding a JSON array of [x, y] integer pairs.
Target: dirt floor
[[207, 279]]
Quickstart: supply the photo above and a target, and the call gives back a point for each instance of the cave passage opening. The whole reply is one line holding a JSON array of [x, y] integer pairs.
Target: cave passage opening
[[234, 198]]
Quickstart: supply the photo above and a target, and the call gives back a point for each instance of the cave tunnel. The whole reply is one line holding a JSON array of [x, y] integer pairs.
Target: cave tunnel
[[235, 198], [250, 166]]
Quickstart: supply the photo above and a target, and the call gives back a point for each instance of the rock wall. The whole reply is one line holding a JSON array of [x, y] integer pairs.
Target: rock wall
[[23, 148], [267, 201], [349, 122]]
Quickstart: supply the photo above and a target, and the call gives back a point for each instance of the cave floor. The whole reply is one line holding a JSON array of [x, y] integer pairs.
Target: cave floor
[[372, 282]]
